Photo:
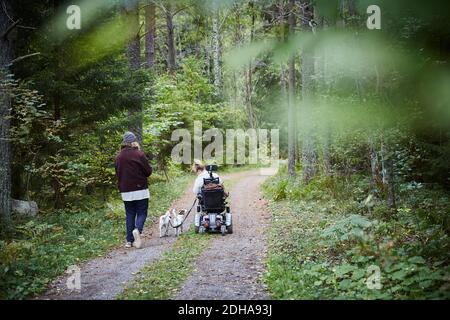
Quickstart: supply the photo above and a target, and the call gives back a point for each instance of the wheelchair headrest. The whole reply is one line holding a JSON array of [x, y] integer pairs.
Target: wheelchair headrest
[[210, 180], [211, 167]]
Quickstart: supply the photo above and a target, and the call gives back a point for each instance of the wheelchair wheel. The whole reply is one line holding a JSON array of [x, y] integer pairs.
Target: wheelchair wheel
[[230, 229]]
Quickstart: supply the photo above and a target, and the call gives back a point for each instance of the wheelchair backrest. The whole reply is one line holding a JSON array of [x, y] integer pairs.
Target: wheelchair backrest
[[213, 196]]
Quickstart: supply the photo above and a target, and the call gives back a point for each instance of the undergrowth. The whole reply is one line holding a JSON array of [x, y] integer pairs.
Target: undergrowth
[[43, 247], [334, 245]]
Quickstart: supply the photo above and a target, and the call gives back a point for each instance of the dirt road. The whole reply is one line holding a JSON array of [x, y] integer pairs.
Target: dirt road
[[232, 265], [235, 260]]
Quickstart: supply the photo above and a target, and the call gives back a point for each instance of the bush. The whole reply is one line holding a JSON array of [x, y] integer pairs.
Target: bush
[[331, 247]]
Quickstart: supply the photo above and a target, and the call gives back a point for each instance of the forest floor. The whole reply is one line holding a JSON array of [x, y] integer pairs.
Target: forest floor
[[227, 267]]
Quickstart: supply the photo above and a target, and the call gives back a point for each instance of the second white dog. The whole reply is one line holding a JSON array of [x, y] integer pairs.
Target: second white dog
[[178, 221]]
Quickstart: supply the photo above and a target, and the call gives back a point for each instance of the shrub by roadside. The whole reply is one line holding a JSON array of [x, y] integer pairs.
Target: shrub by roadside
[[331, 247], [43, 247]]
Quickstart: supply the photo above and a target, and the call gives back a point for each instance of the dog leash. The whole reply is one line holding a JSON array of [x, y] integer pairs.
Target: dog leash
[[185, 217]]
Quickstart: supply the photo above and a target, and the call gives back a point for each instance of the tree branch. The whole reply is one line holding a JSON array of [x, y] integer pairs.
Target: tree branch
[[12, 20], [6, 11], [140, 28], [10, 28], [25, 57], [179, 10], [223, 20]]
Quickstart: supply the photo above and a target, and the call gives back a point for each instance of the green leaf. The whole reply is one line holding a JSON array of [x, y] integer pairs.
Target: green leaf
[[417, 260], [345, 284], [344, 269]]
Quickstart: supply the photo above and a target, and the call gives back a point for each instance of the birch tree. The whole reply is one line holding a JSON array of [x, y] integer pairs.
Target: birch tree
[[216, 48], [249, 73], [309, 148], [292, 137]]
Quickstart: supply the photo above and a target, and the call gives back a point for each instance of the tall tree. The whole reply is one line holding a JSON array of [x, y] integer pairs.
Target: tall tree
[[150, 33], [133, 54], [291, 94], [309, 148], [373, 163], [237, 41], [387, 165], [6, 47], [249, 72], [216, 47], [171, 50], [171, 9]]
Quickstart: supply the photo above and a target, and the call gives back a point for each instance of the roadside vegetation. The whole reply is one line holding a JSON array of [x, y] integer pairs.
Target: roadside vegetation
[[161, 279], [327, 242], [42, 248], [362, 117]]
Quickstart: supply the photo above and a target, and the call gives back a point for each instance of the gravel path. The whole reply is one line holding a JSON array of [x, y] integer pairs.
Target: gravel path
[[232, 265], [104, 278]]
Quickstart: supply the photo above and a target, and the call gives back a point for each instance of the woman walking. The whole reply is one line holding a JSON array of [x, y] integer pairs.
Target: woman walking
[[132, 170]]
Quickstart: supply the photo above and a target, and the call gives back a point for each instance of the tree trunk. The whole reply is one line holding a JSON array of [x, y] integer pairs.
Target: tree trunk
[[373, 164], [320, 70], [134, 64], [6, 48], [291, 96], [309, 150], [171, 52], [237, 43], [326, 152], [249, 76], [217, 69], [387, 164], [150, 31]]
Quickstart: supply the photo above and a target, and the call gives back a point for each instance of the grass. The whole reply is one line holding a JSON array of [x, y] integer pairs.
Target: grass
[[332, 246], [43, 247], [161, 279]]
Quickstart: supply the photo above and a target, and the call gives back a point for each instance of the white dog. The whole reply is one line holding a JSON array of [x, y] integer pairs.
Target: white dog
[[164, 223], [178, 220]]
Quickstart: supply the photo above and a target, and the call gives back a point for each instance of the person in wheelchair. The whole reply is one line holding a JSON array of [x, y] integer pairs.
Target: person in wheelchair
[[213, 212], [202, 176]]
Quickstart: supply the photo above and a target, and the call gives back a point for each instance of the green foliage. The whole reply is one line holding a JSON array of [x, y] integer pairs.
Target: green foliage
[[328, 247], [71, 107], [322, 187], [44, 247], [176, 103]]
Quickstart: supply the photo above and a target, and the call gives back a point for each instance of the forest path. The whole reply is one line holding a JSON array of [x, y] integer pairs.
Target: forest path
[[104, 278], [232, 266]]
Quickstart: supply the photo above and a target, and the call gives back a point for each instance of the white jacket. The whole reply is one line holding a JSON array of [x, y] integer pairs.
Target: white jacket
[[199, 181]]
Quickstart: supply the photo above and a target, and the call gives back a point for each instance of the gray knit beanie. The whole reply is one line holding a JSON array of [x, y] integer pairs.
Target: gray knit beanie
[[128, 138]]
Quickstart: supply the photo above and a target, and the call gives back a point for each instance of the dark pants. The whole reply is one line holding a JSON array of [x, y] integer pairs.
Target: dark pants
[[136, 213]]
